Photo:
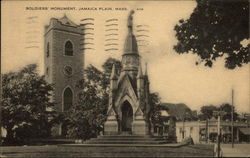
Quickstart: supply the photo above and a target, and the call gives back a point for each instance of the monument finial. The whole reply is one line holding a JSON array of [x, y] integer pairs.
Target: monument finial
[[130, 20]]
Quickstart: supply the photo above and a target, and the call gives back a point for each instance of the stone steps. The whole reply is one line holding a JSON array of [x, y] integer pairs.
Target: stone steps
[[127, 139], [128, 136], [125, 142]]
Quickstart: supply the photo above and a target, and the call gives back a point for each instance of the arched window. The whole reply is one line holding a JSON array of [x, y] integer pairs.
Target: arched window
[[68, 48], [47, 49], [67, 99]]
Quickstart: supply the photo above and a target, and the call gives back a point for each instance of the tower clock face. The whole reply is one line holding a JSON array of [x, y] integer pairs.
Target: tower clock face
[[68, 70]]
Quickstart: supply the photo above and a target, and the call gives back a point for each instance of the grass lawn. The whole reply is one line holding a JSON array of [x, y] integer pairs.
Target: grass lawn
[[65, 151]]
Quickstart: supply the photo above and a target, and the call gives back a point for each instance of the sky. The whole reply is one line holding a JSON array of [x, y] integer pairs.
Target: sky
[[175, 77]]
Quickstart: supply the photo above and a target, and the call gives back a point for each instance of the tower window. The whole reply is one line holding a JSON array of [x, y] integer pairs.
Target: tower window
[[68, 48], [67, 99], [47, 50]]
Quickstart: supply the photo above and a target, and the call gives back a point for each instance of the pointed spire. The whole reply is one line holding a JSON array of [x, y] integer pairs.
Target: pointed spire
[[113, 74], [130, 46], [140, 75]]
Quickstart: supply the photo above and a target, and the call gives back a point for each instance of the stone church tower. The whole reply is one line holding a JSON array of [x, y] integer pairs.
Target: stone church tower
[[63, 60], [129, 108]]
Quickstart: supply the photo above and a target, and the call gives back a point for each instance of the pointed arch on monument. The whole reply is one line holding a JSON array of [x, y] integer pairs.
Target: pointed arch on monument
[[128, 99], [127, 116]]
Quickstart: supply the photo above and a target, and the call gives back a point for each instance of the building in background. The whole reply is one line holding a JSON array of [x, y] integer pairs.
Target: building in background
[[165, 126], [200, 131], [63, 61]]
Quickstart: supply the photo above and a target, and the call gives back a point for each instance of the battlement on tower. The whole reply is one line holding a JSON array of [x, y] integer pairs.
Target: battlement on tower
[[63, 24]]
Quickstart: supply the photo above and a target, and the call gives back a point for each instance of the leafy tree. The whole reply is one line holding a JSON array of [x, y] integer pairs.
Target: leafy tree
[[155, 102], [207, 112], [228, 109], [216, 28], [86, 118], [189, 114], [25, 100], [107, 66]]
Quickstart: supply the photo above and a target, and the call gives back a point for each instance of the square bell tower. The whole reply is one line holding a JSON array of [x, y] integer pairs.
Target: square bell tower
[[63, 62]]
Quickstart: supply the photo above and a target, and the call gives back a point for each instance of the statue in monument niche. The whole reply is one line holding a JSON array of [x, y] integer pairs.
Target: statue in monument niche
[[130, 20], [129, 109]]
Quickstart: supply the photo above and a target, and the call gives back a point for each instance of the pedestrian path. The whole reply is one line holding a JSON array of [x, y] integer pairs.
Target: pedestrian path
[[239, 150]]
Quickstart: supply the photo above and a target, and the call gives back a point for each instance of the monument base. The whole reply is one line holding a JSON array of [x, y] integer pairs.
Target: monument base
[[111, 127], [139, 127]]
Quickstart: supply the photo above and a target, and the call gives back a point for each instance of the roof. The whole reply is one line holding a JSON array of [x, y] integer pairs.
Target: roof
[[178, 110], [65, 20], [245, 131], [130, 46]]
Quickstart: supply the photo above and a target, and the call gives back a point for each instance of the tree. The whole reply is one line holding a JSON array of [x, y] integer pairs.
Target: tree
[[25, 100], [228, 109], [207, 112], [155, 102], [216, 28], [86, 118], [108, 64]]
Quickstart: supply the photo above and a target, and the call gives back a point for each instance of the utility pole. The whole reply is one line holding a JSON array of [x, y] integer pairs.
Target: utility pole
[[232, 119], [219, 114], [218, 138], [207, 132], [183, 127]]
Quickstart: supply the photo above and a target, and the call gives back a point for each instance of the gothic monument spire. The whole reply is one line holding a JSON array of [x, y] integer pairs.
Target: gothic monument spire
[[129, 109], [130, 57]]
